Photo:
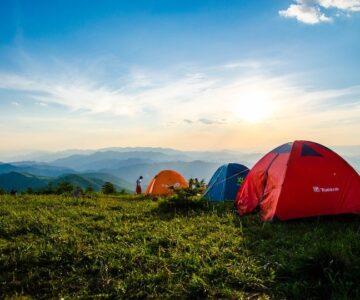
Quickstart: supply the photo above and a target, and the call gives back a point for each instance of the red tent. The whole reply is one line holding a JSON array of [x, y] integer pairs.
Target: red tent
[[300, 179]]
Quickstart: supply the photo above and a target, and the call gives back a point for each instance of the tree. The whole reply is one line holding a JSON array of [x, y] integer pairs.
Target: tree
[[48, 190], [89, 189], [198, 187], [64, 187], [108, 188], [123, 192], [77, 192], [2, 191]]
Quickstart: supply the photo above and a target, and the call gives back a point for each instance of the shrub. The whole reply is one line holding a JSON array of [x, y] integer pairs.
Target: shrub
[[64, 187], [184, 200], [123, 192], [108, 188], [182, 204], [196, 186], [78, 192], [89, 190]]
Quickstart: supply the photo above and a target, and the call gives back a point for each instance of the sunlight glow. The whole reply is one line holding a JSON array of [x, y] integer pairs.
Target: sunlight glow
[[254, 107]]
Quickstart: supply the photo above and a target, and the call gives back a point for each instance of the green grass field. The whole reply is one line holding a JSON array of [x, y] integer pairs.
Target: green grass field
[[127, 247]]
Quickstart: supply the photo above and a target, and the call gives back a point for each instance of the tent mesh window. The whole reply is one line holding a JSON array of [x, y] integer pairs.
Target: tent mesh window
[[308, 151], [286, 148]]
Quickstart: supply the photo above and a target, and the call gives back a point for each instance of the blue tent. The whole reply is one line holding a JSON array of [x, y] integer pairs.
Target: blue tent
[[225, 182]]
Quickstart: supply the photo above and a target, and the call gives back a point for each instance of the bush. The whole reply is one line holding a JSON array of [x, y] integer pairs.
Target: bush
[[49, 190], [108, 188], [78, 192], [123, 192], [184, 200], [183, 204], [64, 187], [89, 190], [197, 187]]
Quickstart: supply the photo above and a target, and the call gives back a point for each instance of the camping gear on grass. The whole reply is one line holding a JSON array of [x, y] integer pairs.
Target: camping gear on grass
[[297, 180], [164, 183], [225, 182]]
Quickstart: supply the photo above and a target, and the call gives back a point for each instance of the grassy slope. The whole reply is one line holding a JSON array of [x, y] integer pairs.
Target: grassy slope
[[126, 247]]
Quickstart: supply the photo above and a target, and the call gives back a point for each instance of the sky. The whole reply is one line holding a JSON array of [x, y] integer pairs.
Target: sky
[[191, 75]]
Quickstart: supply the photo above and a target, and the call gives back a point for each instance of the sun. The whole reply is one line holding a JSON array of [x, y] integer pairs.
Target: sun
[[254, 107]]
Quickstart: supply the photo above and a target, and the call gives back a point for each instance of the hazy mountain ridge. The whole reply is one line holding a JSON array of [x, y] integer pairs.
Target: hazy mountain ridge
[[117, 181], [122, 166], [48, 156], [193, 169], [84, 181], [22, 181], [354, 161], [36, 168], [97, 160]]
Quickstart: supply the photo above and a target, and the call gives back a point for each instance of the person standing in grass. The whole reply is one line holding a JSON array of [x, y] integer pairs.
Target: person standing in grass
[[138, 185]]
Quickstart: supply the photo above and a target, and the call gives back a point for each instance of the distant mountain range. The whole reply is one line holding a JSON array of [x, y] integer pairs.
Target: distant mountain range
[[156, 154], [22, 181], [149, 161], [354, 161], [214, 156], [195, 169], [35, 168], [121, 166], [114, 159]]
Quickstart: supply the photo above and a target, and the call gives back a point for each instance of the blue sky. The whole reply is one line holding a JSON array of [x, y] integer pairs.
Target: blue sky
[[183, 74]]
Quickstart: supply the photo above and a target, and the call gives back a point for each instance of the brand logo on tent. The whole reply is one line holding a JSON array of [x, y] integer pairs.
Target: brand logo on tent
[[317, 189], [176, 185]]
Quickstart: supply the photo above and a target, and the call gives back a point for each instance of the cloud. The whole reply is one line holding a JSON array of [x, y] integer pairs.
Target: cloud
[[225, 100], [206, 121], [210, 122], [312, 11], [175, 97], [305, 13], [43, 104], [346, 5], [76, 95], [15, 103]]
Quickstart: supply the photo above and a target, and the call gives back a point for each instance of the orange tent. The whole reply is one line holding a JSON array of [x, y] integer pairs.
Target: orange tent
[[164, 180]]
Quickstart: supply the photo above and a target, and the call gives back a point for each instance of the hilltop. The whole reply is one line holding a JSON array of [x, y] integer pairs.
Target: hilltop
[[132, 247]]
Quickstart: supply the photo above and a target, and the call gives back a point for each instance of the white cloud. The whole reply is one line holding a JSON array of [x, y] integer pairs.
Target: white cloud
[[210, 122], [43, 104], [312, 11], [15, 103], [81, 95], [201, 98], [305, 13], [347, 5]]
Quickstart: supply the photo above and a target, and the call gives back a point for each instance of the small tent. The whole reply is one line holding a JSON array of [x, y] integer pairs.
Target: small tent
[[225, 182], [297, 180], [162, 183]]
